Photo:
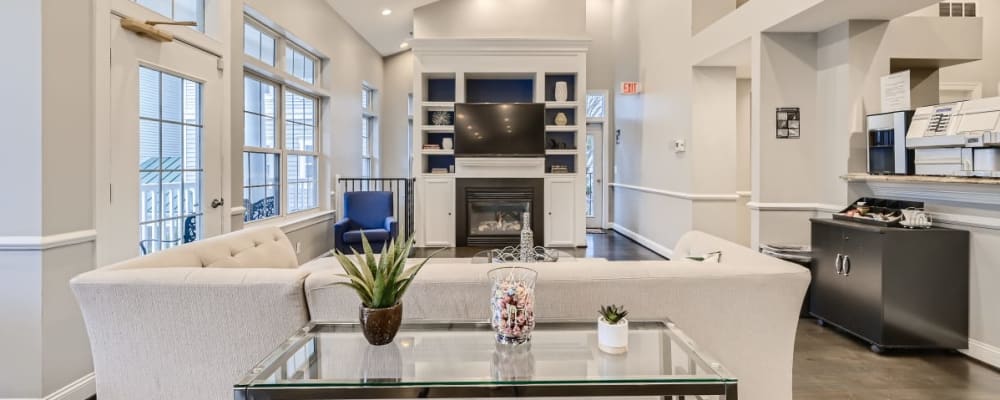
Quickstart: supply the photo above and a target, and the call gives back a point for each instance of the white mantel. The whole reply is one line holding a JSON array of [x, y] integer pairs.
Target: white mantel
[[520, 167]]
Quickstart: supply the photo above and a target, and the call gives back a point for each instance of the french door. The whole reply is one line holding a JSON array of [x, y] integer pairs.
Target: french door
[[165, 145]]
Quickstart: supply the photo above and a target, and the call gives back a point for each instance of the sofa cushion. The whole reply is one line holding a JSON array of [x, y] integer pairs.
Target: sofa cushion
[[373, 235]]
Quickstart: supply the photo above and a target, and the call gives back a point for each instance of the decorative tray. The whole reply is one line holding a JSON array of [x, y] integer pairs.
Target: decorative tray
[[877, 212]]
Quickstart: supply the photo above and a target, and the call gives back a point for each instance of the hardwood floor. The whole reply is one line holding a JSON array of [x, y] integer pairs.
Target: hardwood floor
[[610, 245], [830, 365]]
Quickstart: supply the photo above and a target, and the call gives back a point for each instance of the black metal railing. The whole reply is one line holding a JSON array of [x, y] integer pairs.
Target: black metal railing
[[402, 197]]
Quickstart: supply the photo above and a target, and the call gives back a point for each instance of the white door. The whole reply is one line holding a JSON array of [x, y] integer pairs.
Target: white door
[[165, 145], [439, 213], [560, 195], [594, 175]]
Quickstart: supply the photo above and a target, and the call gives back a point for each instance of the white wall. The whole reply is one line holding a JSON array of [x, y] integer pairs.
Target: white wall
[[986, 71], [51, 182], [398, 84], [501, 18]]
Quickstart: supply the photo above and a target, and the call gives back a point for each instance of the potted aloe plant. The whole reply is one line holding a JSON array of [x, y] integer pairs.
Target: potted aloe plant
[[381, 285], [612, 329]]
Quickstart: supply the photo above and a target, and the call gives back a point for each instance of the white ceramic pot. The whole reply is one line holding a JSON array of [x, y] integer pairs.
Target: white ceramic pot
[[447, 143], [612, 339], [562, 91]]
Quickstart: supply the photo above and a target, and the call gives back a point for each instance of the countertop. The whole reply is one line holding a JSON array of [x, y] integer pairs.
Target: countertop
[[859, 177]]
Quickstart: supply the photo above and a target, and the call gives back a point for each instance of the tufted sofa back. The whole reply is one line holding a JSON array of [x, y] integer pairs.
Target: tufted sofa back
[[264, 247]]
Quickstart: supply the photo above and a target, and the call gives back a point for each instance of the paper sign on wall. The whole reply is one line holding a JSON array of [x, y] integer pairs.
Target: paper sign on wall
[[896, 92], [628, 88]]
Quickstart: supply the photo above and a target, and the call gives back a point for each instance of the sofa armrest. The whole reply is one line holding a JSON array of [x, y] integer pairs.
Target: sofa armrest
[[340, 228], [186, 333], [392, 226]]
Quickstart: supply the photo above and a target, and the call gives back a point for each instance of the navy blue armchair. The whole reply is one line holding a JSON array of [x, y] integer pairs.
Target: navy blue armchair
[[368, 212]]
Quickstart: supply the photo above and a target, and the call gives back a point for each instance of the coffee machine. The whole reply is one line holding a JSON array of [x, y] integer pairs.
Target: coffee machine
[[957, 139], [887, 152]]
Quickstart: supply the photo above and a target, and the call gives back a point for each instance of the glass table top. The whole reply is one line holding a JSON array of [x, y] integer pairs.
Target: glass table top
[[335, 355]]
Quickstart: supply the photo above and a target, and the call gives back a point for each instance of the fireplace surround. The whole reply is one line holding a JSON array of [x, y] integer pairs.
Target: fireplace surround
[[490, 211]]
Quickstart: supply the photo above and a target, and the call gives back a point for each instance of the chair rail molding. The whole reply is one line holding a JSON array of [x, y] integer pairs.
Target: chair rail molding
[[80, 389], [679, 195], [809, 207], [37, 243], [237, 211]]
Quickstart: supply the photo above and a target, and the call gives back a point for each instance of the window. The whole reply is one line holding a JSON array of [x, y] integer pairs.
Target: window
[[300, 64], [170, 170], [178, 10], [258, 42], [300, 136], [957, 9], [261, 173], [368, 128], [596, 106], [281, 125]]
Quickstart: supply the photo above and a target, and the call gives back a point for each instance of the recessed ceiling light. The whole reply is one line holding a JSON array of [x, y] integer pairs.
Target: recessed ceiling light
[[404, 45], [386, 11]]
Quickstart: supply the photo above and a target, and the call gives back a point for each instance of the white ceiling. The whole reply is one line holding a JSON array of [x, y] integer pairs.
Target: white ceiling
[[385, 33]]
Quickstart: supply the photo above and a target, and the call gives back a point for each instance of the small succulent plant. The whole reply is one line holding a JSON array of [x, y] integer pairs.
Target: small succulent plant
[[613, 314]]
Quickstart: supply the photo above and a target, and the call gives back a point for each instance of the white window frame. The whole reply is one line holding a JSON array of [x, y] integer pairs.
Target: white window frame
[[289, 49], [279, 76], [369, 118], [173, 13]]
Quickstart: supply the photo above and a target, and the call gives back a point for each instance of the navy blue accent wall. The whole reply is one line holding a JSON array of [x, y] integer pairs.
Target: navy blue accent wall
[[550, 115], [439, 162], [499, 91], [437, 138], [566, 160], [440, 90], [568, 138]]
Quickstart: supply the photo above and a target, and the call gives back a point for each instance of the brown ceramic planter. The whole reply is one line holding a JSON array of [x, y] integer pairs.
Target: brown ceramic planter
[[380, 324]]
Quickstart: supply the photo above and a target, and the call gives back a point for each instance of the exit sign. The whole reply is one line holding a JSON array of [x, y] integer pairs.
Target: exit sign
[[631, 88]]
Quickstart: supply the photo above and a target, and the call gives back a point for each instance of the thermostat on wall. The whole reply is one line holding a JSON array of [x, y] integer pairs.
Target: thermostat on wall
[[679, 146]]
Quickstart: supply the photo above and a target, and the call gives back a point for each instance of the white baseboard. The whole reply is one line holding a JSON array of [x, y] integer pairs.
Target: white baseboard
[[647, 242], [81, 389], [984, 352]]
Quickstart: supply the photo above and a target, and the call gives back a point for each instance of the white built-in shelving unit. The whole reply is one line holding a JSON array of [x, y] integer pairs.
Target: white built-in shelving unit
[[450, 71]]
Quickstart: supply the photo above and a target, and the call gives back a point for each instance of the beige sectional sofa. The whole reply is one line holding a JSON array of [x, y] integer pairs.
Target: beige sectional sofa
[[187, 322]]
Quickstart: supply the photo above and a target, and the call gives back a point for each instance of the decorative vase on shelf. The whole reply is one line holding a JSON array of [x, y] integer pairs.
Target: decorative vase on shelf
[[562, 91], [562, 119], [447, 144], [441, 118]]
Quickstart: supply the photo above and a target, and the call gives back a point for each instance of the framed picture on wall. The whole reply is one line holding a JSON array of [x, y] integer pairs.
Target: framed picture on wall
[[788, 123]]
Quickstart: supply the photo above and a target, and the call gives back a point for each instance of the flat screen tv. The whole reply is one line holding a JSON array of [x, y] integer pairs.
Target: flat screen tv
[[500, 130]]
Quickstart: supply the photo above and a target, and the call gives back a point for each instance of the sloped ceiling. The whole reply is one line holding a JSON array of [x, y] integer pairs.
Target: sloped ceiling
[[385, 33]]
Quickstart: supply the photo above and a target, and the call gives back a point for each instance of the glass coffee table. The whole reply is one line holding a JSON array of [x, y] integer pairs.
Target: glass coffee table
[[462, 360]]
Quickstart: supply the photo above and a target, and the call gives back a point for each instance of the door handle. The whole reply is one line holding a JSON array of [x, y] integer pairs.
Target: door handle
[[216, 203], [846, 265], [837, 265]]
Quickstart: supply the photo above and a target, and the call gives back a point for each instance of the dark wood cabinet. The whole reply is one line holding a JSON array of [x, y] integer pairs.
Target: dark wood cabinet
[[892, 287]]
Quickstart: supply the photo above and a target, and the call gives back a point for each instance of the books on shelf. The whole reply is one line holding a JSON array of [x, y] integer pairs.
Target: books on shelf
[[560, 169], [432, 147], [439, 170]]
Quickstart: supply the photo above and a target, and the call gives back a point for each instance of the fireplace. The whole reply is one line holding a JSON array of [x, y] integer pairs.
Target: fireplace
[[491, 211]]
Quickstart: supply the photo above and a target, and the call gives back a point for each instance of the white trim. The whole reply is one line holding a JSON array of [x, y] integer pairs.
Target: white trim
[[80, 389], [984, 352], [295, 221], [679, 195], [646, 242], [744, 193], [966, 220], [494, 46], [975, 89], [812, 207], [34, 243], [237, 211]]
